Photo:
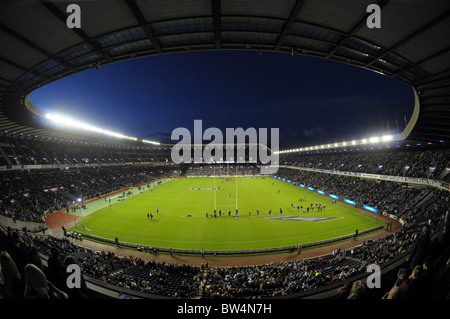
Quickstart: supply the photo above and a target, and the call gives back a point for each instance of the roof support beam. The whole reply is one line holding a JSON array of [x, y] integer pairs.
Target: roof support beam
[[418, 63], [31, 44], [143, 23], [18, 66], [411, 36], [61, 16], [443, 75], [287, 26], [433, 56], [217, 23], [4, 80], [355, 29]]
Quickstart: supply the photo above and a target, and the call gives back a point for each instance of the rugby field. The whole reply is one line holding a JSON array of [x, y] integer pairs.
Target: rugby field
[[183, 215]]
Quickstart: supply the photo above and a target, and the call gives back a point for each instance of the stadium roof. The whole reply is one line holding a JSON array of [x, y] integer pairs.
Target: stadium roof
[[412, 45]]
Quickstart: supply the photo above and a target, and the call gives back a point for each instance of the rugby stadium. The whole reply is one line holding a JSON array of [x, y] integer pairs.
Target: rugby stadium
[[88, 213]]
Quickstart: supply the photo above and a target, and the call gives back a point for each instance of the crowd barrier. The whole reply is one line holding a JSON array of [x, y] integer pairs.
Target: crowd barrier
[[220, 252]]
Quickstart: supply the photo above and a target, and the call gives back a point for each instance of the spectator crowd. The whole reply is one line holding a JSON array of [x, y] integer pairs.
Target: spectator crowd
[[29, 195], [34, 266], [420, 163], [25, 274]]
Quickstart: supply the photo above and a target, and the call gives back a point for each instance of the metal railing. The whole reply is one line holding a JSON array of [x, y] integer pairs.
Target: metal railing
[[222, 252]]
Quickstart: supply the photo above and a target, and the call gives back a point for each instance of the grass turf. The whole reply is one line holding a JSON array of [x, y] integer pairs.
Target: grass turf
[[183, 203]]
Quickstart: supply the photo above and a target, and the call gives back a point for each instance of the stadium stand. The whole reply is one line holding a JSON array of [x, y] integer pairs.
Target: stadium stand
[[415, 162], [292, 279], [424, 211], [412, 47]]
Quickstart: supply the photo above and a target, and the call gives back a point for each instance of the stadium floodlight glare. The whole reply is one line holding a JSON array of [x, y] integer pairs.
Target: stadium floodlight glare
[[150, 142], [68, 122], [372, 140], [65, 121]]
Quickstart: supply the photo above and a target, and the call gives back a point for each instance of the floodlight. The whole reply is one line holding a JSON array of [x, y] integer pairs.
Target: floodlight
[[66, 121], [150, 142]]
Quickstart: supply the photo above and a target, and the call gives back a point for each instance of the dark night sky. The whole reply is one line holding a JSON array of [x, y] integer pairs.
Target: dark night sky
[[312, 101]]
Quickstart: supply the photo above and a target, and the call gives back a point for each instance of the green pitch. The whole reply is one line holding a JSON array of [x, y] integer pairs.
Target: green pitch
[[181, 221]]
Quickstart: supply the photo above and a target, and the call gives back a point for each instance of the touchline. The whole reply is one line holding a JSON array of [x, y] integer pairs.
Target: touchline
[[182, 151]]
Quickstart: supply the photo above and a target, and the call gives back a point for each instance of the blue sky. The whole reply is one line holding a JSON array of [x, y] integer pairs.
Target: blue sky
[[311, 100]]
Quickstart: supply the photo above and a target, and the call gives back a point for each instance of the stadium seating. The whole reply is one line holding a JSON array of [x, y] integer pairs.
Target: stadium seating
[[430, 163], [30, 194]]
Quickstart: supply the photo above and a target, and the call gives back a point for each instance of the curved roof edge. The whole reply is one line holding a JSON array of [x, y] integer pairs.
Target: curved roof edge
[[412, 45]]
